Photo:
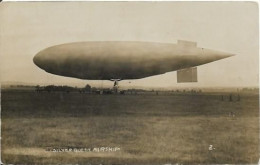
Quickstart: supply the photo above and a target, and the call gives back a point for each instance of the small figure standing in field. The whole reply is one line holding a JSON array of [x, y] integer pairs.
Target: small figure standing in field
[[238, 97], [230, 97], [222, 98]]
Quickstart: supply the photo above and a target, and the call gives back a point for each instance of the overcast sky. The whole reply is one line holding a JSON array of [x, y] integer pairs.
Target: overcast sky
[[28, 27]]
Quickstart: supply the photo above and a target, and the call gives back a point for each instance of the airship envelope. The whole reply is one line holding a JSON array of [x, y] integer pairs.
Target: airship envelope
[[125, 59]]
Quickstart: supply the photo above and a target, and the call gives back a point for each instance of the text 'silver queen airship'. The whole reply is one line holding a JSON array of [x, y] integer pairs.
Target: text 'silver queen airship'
[[121, 60]]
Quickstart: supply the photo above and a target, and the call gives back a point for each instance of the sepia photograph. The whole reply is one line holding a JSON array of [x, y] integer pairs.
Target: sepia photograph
[[129, 82]]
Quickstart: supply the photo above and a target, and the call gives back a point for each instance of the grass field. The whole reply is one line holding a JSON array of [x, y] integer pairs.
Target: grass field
[[148, 129]]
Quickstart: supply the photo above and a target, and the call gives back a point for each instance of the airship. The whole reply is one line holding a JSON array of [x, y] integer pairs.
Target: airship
[[126, 60]]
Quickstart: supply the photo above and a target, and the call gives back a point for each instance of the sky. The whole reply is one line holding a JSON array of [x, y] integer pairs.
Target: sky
[[232, 27]]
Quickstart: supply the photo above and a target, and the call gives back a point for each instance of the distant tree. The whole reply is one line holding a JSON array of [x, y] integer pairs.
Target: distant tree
[[87, 88]]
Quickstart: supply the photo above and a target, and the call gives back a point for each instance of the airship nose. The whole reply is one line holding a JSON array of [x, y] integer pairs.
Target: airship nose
[[36, 60], [40, 60]]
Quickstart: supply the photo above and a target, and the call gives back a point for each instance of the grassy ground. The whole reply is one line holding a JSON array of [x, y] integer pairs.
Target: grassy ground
[[148, 129]]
